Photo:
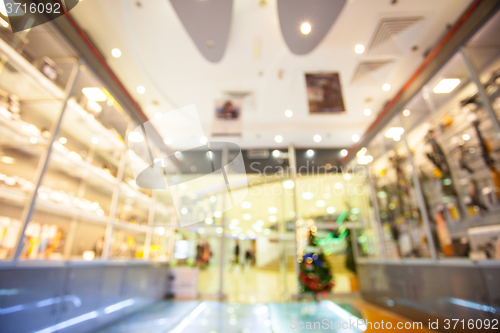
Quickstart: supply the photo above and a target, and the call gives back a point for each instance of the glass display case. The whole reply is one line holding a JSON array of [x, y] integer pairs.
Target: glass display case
[[435, 165], [63, 135]]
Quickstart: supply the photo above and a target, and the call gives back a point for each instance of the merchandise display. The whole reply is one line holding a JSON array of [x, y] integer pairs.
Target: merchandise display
[[455, 158], [75, 211]]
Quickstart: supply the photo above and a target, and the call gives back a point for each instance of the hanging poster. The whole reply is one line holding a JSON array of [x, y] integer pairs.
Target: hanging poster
[[324, 94]]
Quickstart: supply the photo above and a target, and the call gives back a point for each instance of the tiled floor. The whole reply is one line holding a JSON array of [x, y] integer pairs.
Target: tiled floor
[[227, 317]]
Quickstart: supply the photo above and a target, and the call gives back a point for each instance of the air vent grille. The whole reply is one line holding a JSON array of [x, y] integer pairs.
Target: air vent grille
[[366, 68], [388, 28]]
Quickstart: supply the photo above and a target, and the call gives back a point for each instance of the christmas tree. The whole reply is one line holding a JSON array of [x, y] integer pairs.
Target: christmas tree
[[315, 273]]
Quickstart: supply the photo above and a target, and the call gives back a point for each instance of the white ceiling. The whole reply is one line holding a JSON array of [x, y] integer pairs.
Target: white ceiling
[[158, 54]]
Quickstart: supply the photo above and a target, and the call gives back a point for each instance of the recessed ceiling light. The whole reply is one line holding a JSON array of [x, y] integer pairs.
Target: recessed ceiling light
[[307, 195], [355, 138], [406, 113], [167, 141], [343, 152], [276, 153], [305, 28], [94, 94], [288, 113], [178, 154], [365, 159], [310, 152], [135, 137], [288, 184], [273, 219], [267, 231], [203, 140], [63, 140], [278, 138], [246, 204], [320, 203], [33, 140], [330, 210], [235, 221], [116, 53], [95, 140], [209, 220], [213, 198], [386, 87], [141, 90], [359, 49], [317, 138], [247, 217], [367, 112], [257, 228], [217, 214], [272, 210], [260, 223], [466, 137], [219, 230], [446, 86], [158, 115]]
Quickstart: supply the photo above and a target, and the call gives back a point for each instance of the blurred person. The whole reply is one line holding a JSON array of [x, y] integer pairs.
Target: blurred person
[[236, 260]]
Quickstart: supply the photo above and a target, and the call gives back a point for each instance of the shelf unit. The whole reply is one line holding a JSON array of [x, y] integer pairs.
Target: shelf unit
[[449, 203], [87, 161]]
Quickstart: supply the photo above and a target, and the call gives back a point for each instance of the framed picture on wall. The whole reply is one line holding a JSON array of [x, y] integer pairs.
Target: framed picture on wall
[[324, 93], [227, 116]]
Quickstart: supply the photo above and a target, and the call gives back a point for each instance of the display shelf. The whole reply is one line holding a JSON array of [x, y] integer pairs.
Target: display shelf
[[87, 161], [79, 122], [19, 132], [131, 226], [38, 87], [65, 160], [18, 197]]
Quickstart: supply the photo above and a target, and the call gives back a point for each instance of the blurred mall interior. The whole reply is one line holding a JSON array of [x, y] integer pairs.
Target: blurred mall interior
[[242, 166]]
